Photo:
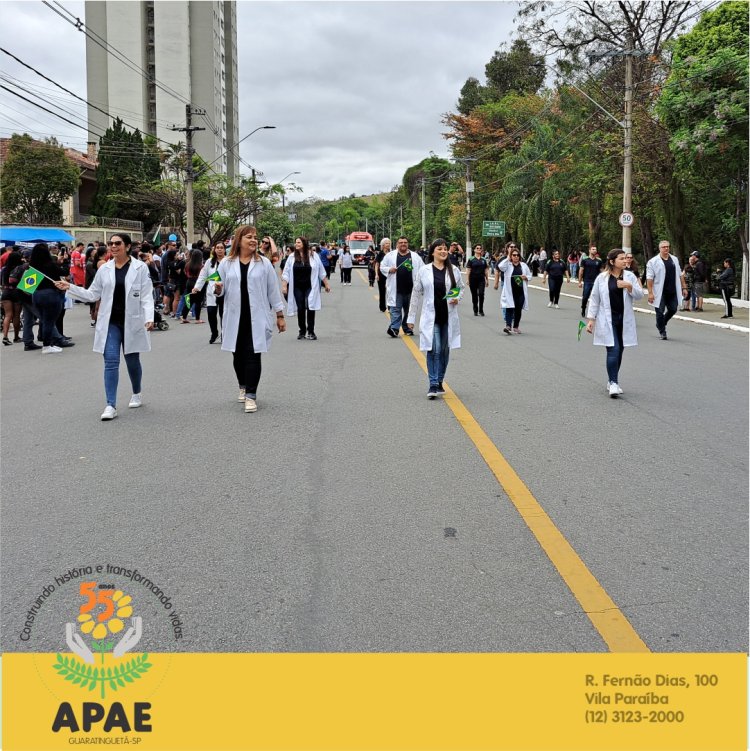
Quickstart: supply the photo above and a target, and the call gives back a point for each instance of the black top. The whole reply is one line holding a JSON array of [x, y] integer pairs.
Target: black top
[[302, 273], [591, 268], [476, 267], [517, 285], [441, 305], [244, 294], [556, 268], [616, 299], [404, 279], [669, 281], [379, 259], [118, 300], [726, 278]]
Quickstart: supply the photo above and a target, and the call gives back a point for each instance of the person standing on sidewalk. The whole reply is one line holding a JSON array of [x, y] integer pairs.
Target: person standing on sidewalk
[[556, 270], [610, 315], [400, 268], [700, 278], [438, 288], [479, 279], [726, 284], [250, 287], [126, 315], [664, 280], [300, 285], [588, 271]]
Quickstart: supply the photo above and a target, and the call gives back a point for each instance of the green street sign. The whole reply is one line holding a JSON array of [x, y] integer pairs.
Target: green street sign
[[493, 229]]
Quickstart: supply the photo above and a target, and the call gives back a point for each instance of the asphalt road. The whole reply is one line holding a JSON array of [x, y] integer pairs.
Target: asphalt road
[[352, 514]]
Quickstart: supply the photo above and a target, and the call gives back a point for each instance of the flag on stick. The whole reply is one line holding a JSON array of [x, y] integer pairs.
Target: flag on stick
[[581, 327], [453, 293], [157, 236], [408, 265], [30, 280], [215, 277]]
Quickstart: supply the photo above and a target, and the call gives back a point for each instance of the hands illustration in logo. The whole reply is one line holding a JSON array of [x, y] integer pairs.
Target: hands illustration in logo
[[130, 638]]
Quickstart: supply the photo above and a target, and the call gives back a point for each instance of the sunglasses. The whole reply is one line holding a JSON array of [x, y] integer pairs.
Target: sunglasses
[[115, 242]]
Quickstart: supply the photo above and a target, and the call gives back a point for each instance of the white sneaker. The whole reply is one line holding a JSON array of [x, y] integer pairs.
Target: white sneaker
[[135, 401], [557, 306], [549, 304], [241, 397], [51, 350], [250, 405], [619, 390], [614, 390], [109, 413]]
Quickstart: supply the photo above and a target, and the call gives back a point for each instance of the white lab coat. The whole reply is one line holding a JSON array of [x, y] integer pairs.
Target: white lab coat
[[600, 310], [389, 262], [423, 297], [139, 304], [208, 268], [506, 297], [655, 270], [265, 301], [317, 275]]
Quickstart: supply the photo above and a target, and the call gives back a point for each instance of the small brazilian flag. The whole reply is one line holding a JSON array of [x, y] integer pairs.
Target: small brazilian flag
[[187, 301], [215, 277], [519, 280], [581, 327], [30, 280], [408, 265], [453, 294]]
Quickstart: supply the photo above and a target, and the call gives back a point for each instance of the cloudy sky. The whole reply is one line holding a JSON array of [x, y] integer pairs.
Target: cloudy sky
[[356, 90]]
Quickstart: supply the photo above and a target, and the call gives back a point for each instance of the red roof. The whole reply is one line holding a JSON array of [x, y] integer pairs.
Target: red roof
[[82, 160]]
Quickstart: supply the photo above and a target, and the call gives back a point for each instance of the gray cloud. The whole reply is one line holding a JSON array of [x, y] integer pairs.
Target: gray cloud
[[356, 90]]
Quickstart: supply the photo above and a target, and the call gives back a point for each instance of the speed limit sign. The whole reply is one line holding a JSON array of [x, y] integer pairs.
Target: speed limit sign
[[626, 219]]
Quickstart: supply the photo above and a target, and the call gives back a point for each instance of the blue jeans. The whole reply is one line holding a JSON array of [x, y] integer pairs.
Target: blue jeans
[[669, 305], [587, 287], [437, 357], [614, 353], [397, 316], [115, 340], [49, 303]]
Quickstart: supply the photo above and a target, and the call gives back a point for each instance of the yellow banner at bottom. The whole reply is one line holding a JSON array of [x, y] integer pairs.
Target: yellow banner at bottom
[[158, 702]]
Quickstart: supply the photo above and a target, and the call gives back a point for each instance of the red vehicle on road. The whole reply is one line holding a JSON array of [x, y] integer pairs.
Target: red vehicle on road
[[358, 243]]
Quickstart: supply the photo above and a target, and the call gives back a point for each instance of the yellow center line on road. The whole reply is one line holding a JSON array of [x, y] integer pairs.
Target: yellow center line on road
[[604, 614]]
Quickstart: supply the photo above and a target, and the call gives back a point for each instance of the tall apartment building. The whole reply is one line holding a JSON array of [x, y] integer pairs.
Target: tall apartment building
[[188, 51]]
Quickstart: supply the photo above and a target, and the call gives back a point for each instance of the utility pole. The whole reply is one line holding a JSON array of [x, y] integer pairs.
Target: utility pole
[[424, 221], [253, 206], [469, 191], [627, 182], [188, 130]]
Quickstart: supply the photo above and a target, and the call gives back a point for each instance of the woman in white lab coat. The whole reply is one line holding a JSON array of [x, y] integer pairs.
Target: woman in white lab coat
[[300, 284], [252, 300], [213, 304], [438, 287], [126, 315], [514, 297], [610, 314]]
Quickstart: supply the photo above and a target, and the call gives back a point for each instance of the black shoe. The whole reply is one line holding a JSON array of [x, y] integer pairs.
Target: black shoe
[[408, 333], [213, 338], [30, 346], [301, 335], [64, 343], [481, 313], [440, 389], [663, 335], [7, 342], [432, 393], [475, 313], [507, 330], [312, 337], [392, 333]]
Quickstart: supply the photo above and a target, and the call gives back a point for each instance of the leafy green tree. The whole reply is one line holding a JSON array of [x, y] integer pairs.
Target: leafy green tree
[[519, 70], [472, 96], [126, 161], [35, 178]]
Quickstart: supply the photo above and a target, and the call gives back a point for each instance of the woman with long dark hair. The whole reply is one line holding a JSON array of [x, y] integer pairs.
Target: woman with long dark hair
[[250, 288], [302, 276], [726, 285], [213, 303], [47, 298], [126, 315], [438, 287], [556, 270], [515, 295], [479, 278], [11, 297], [610, 314], [192, 272]]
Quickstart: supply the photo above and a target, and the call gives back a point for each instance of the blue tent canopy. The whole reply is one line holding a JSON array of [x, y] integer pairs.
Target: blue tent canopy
[[33, 234]]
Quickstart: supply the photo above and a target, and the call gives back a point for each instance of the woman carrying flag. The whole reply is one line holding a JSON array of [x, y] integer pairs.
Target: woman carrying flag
[[438, 287], [515, 295]]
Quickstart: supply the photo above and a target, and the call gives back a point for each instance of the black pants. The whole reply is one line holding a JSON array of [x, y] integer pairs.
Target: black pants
[[346, 276], [305, 317], [477, 294], [381, 293], [667, 308], [555, 286], [212, 310]]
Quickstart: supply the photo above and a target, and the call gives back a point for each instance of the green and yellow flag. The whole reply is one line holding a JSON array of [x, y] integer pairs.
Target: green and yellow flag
[[453, 293], [215, 277], [408, 265], [187, 301], [581, 327], [30, 280]]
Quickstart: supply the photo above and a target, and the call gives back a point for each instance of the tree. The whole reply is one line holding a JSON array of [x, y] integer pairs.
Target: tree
[[36, 177], [518, 71], [472, 96], [126, 162]]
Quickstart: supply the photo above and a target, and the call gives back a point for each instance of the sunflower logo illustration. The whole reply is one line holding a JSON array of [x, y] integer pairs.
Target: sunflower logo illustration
[[103, 617]]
